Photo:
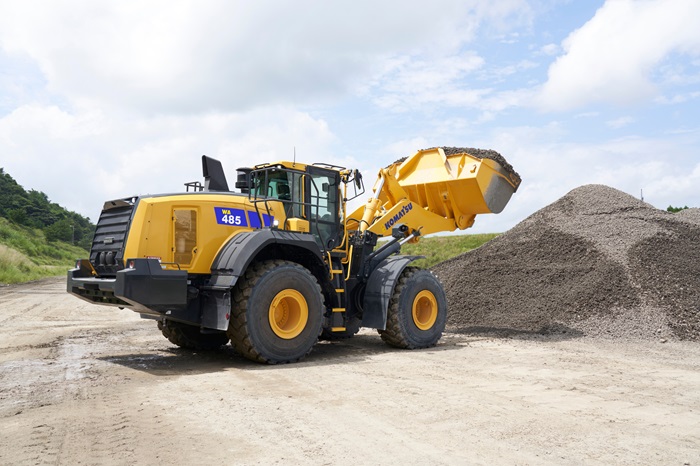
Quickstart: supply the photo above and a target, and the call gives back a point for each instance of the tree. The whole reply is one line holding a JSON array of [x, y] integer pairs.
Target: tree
[[60, 231], [18, 216], [34, 209], [675, 209]]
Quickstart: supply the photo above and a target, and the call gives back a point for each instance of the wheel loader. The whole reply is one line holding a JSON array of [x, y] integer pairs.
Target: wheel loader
[[281, 262]]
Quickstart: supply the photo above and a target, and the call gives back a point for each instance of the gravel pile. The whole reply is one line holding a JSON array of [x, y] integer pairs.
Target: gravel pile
[[597, 261]]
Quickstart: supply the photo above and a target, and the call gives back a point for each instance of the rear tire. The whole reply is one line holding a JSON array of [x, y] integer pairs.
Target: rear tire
[[190, 337], [417, 311], [277, 312]]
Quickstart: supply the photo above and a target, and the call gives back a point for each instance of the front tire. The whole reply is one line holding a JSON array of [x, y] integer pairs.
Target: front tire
[[417, 311], [277, 312]]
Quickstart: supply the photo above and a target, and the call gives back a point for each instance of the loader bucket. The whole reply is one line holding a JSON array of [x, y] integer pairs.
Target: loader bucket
[[452, 183]]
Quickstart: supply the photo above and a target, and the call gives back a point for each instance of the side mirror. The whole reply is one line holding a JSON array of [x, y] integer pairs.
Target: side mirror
[[358, 179], [243, 182]]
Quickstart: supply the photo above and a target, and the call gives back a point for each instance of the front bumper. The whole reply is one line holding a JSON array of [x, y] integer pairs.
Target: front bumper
[[144, 287]]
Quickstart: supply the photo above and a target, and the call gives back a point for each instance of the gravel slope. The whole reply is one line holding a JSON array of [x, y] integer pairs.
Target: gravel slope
[[597, 261]]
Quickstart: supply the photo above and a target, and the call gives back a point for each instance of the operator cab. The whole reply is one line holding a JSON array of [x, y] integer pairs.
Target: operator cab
[[312, 195]]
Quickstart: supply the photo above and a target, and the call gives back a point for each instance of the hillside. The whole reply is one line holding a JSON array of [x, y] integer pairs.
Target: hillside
[[33, 209], [437, 249], [38, 238]]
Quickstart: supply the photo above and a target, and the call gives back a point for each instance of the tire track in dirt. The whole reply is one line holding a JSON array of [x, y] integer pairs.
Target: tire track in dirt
[[69, 399], [44, 446]]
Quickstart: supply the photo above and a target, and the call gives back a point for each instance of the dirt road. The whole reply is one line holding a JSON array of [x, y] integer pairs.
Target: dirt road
[[82, 384]]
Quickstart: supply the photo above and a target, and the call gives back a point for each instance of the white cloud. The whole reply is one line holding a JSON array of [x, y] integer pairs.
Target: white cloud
[[131, 93], [499, 101], [621, 122], [416, 83], [502, 15], [499, 74], [672, 188], [189, 56], [611, 57], [677, 98], [550, 49], [443, 83], [83, 159], [587, 115]]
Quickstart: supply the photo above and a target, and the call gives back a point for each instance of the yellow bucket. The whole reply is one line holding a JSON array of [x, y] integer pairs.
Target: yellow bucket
[[458, 183]]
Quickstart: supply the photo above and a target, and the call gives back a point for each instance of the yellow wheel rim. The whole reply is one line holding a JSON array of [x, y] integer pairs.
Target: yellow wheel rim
[[425, 310], [288, 314]]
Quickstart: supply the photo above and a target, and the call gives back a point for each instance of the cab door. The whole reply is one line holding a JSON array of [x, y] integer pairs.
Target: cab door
[[322, 198]]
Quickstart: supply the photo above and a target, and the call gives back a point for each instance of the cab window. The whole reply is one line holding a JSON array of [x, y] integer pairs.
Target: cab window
[[324, 206], [283, 185]]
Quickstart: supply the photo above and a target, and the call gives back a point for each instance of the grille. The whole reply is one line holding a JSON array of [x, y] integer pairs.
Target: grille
[[107, 253]]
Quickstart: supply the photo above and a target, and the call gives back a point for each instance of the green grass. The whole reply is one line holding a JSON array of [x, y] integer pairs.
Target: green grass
[[26, 255], [440, 248]]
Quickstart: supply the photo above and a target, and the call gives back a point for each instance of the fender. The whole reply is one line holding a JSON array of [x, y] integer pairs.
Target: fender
[[232, 261], [380, 288]]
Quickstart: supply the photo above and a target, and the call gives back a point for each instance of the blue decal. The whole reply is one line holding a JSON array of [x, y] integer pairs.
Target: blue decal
[[255, 219], [407, 208], [230, 217]]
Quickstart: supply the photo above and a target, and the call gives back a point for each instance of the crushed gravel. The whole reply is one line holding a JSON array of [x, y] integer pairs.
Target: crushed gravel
[[481, 154], [485, 154], [597, 262]]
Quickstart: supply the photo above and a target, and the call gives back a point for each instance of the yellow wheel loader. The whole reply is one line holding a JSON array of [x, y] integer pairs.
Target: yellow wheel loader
[[282, 263]]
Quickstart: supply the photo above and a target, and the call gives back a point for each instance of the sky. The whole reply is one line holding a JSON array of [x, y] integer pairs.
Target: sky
[[104, 100]]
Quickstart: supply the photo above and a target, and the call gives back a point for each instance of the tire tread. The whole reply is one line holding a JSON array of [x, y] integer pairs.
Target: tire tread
[[394, 334], [238, 326]]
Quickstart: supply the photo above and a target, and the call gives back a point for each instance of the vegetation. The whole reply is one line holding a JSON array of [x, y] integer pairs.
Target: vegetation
[[33, 209], [440, 248], [675, 209], [38, 238], [25, 254]]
